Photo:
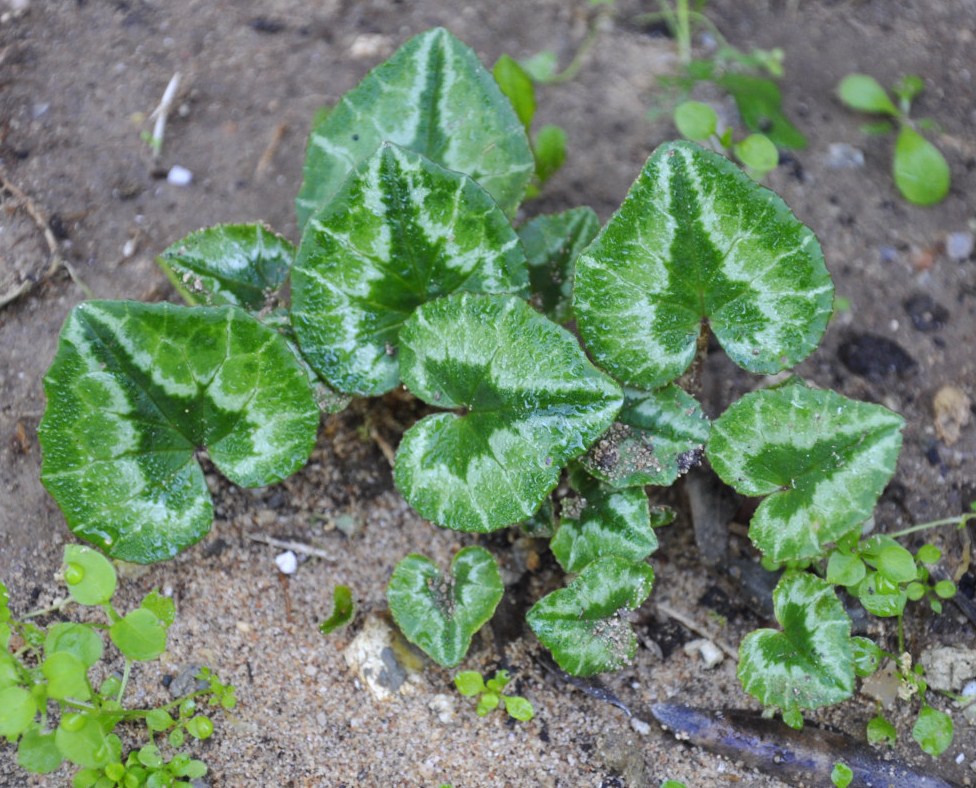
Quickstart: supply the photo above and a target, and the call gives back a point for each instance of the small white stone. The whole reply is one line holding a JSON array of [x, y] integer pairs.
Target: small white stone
[[711, 654], [959, 246], [960, 758], [970, 689], [287, 562], [841, 156], [640, 726], [179, 176]]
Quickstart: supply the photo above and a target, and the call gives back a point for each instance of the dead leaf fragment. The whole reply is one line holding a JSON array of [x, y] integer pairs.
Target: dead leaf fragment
[[951, 407]]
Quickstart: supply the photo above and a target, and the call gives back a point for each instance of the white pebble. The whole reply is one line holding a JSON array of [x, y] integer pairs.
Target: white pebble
[[711, 654], [640, 726], [287, 562], [970, 689], [959, 246], [841, 156], [179, 176], [960, 758]]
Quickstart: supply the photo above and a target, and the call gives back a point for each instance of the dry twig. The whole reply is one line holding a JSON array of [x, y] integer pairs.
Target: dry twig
[[690, 624], [295, 547]]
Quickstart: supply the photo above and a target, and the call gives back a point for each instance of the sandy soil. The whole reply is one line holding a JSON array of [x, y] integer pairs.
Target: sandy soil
[[75, 78]]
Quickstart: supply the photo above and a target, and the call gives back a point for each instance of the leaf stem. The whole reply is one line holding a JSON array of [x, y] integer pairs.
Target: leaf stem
[[125, 680], [958, 520]]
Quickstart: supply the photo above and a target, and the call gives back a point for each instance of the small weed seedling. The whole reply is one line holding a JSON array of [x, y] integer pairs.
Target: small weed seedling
[[920, 170], [490, 695], [748, 77], [51, 709], [409, 273]]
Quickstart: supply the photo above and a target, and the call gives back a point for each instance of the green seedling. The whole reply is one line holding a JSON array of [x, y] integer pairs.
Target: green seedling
[[748, 77], [919, 169], [490, 694], [698, 122], [54, 712], [410, 274], [549, 142], [343, 609]]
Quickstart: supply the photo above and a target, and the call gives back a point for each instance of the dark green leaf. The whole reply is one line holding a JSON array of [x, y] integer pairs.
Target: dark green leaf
[[810, 662], [531, 402], [761, 106], [402, 231], [920, 170], [429, 89], [822, 460], [237, 264], [440, 614], [698, 241], [658, 436], [582, 624], [135, 389], [343, 608], [552, 243], [602, 521]]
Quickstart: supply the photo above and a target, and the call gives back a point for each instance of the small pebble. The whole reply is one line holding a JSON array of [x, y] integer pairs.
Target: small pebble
[[970, 689], [640, 726], [179, 176], [841, 156], [287, 562], [711, 654], [959, 246], [961, 758]]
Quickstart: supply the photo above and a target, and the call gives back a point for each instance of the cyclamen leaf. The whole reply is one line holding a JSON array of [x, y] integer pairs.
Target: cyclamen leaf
[[602, 522], [810, 663], [552, 243], [135, 389], [238, 264], [822, 459], [657, 437], [401, 232], [441, 614], [581, 624], [532, 402], [432, 96], [697, 240]]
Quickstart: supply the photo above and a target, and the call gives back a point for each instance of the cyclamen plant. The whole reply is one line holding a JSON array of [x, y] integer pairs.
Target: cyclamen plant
[[410, 273]]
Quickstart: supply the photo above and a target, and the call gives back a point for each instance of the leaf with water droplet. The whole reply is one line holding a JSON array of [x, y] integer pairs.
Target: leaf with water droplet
[[90, 575]]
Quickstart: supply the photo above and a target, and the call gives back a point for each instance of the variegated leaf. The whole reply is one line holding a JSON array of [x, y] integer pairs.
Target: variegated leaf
[[822, 459], [238, 264], [435, 97], [402, 231], [135, 389], [582, 624], [530, 402], [552, 244], [601, 521], [695, 241], [440, 614], [658, 436], [810, 663]]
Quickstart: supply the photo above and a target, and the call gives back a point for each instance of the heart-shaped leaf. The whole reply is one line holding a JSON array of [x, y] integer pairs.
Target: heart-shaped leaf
[[552, 244], [810, 663], [657, 437], [402, 231], [238, 264], [697, 240], [440, 614], [822, 459], [581, 624], [435, 97], [531, 403], [135, 389], [601, 521]]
